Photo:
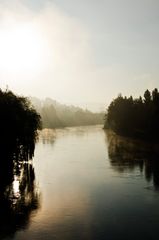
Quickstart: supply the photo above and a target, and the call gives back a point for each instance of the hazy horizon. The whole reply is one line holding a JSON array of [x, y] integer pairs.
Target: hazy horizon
[[79, 51]]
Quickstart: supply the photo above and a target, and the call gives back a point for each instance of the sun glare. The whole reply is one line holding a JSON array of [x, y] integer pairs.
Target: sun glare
[[21, 49]]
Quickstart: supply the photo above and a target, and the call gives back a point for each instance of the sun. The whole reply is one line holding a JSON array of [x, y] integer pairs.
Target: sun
[[22, 49]]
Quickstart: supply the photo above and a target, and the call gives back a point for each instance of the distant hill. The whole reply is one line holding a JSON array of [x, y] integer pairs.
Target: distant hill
[[56, 115]]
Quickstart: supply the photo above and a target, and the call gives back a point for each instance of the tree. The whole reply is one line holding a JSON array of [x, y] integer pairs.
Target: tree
[[147, 96], [155, 96], [19, 124]]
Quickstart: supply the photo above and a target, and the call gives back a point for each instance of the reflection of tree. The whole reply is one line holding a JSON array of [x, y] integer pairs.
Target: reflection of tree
[[126, 154], [48, 136], [152, 172], [19, 198]]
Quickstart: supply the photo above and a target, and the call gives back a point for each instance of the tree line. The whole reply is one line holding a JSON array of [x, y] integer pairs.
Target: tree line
[[136, 118]]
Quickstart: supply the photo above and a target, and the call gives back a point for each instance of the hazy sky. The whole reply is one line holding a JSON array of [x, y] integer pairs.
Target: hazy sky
[[79, 51]]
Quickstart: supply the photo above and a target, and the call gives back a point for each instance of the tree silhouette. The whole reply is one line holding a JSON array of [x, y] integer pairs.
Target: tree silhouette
[[147, 96], [19, 123], [137, 118]]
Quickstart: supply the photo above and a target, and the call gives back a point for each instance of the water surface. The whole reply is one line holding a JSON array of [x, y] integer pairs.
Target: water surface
[[88, 185]]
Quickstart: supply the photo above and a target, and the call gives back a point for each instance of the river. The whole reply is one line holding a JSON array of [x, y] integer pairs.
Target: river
[[85, 184]]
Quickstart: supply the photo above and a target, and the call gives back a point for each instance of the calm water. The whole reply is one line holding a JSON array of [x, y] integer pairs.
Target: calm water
[[83, 184]]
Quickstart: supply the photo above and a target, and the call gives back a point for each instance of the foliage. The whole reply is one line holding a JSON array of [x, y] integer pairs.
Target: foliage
[[137, 118], [19, 123], [56, 115]]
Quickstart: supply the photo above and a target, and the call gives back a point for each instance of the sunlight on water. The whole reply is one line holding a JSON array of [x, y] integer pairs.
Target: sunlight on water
[[16, 188]]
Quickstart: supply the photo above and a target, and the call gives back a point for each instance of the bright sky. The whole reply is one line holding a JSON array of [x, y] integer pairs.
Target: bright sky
[[79, 51]]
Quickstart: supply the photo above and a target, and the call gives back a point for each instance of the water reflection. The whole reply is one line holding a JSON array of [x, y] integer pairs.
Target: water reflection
[[48, 136], [126, 154], [84, 196], [19, 197]]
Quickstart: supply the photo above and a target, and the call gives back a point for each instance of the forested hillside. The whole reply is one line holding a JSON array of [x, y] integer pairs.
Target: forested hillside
[[56, 115]]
